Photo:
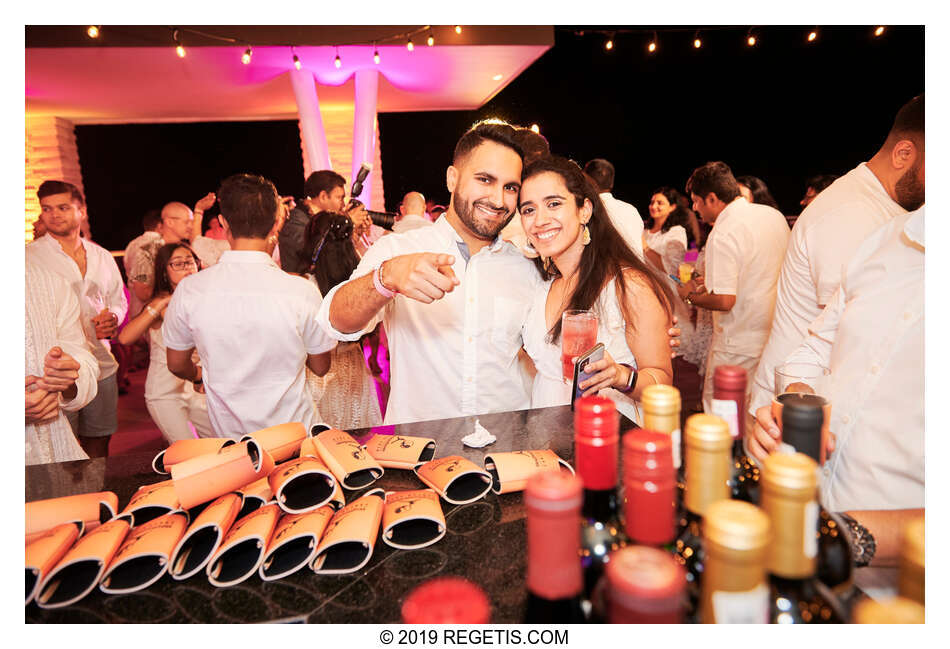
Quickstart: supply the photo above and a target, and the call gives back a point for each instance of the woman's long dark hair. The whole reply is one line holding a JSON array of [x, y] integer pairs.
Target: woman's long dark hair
[[162, 282], [760, 191], [605, 257], [332, 254]]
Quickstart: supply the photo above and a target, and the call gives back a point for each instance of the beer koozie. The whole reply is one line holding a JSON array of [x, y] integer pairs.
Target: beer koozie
[[204, 536], [511, 471], [302, 485], [81, 568], [185, 449], [209, 476], [143, 557], [256, 495], [400, 451], [46, 551], [294, 543], [242, 551], [282, 441], [455, 478], [349, 462], [412, 519], [152, 501], [350, 537], [92, 510]]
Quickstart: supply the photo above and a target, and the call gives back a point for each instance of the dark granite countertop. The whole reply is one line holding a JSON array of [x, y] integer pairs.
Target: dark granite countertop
[[484, 542]]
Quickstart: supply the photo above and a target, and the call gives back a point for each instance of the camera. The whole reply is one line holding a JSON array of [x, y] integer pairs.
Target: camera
[[385, 220]]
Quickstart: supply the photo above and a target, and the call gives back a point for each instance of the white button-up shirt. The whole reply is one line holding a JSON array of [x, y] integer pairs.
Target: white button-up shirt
[[626, 220], [100, 289], [411, 222], [459, 355], [743, 258], [824, 238], [871, 336], [253, 326]]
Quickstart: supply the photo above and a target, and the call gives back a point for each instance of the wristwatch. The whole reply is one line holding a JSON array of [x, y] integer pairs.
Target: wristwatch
[[689, 298], [632, 380], [863, 544]]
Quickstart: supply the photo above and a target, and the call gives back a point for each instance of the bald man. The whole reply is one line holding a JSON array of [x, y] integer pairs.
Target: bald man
[[411, 213]]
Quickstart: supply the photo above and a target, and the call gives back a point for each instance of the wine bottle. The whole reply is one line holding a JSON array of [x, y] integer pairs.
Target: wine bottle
[[789, 498], [649, 485], [910, 574], [596, 459], [707, 480], [734, 590], [645, 586], [446, 600], [661, 412], [802, 421], [729, 390], [555, 582]]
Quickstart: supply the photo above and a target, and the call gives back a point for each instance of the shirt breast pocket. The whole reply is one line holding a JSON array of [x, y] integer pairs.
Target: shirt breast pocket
[[508, 316]]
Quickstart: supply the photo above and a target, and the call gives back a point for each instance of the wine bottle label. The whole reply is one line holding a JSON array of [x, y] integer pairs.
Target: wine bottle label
[[811, 527], [741, 607], [676, 434], [728, 410]]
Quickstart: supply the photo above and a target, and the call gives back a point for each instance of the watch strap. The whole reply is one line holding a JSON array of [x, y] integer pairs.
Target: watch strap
[[863, 545], [631, 381]]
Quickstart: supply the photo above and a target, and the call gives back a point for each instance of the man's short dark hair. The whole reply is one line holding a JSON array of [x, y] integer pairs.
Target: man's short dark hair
[[821, 182], [909, 122], [325, 180], [151, 220], [494, 130], [249, 204], [51, 187], [715, 177], [533, 145], [601, 172]]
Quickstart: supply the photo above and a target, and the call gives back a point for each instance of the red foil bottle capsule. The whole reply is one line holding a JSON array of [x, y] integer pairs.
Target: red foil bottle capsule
[[649, 481], [729, 385], [646, 586], [596, 438], [446, 600]]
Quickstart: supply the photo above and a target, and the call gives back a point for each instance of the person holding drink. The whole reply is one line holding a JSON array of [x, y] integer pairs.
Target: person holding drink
[[595, 289]]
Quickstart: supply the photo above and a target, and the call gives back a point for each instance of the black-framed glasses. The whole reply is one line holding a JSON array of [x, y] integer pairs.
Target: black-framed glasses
[[182, 264]]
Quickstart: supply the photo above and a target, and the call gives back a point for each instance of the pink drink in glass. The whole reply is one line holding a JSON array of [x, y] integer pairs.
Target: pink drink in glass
[[578, 334]]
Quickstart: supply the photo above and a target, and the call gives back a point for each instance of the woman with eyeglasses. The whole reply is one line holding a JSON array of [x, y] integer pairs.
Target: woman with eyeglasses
[[171, 401], [345, 396]]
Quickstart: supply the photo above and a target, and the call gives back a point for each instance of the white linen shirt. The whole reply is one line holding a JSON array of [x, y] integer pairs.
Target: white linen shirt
[[871, 336], [824, 238], [100, 289], [253, 326], [459, 355], [743, 258], [626, 220], [411, 222]]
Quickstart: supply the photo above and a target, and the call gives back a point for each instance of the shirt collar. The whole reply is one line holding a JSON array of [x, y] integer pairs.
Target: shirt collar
[[914, 227], [445, 228], [246, 257]]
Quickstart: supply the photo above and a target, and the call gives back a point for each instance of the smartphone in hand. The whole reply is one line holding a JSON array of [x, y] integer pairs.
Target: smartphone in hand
[[592, 355]]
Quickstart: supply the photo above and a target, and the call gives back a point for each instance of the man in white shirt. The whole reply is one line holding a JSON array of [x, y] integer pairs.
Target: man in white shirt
[[453, 296], [411, 213], [152, 224], [60, 370], [254, 326], [743, 258], [829, 231], [871, 336], [94, 277], [624, 216]]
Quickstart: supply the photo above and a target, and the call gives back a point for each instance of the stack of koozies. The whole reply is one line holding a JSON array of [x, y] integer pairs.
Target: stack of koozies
[[271, 503]]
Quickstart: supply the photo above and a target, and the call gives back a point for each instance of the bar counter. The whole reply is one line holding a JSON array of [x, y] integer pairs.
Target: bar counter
[[484, 542]]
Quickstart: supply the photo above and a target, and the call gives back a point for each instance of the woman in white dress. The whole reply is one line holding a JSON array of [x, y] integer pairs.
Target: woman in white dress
[[587, 265], [345, 396], [172, 402]]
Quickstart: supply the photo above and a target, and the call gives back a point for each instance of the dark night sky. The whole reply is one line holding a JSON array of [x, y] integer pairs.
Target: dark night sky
[[782, 111]]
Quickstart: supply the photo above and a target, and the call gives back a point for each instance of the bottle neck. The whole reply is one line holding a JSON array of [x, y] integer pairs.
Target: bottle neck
[[793, 552], [599, 505], [707, 477]]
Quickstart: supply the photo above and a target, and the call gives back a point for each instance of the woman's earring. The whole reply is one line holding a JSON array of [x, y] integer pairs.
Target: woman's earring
[[586, 239], [547, 265]]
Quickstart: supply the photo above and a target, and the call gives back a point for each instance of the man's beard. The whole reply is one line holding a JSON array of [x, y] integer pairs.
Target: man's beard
[[465, 210], [910, 189]]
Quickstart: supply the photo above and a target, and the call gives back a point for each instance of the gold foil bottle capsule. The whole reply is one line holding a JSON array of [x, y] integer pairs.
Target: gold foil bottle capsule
[[898, 610], [708, 461], [661, 412], [789, 497]]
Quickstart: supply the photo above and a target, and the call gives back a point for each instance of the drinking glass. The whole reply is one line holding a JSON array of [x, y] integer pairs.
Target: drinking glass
[[578, 334], [806, 382]]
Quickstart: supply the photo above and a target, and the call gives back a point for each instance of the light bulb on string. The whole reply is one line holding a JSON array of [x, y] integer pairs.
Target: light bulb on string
[[246, 57], [337, 63], [179, 49], [375, 54], [750, 40], [431, 40], [879, 30], [609, 45], [93, 31], [458, 29], [812, 35], [409, 45], [652, 46], [697, 42], [296, 61]]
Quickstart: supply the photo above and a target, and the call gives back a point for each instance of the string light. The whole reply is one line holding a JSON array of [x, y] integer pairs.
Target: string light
[[879, 30], [609, 45], [431, 40], [246, 57], [296, 58], [375, 54], [458, 29], [812, 35], [93, 31], [409, 45], [750, 38], [179, 50], [651, 48], [337, 62], [697, 43]]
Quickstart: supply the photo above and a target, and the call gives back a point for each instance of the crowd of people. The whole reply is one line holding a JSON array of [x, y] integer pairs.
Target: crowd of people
[[262, 319]]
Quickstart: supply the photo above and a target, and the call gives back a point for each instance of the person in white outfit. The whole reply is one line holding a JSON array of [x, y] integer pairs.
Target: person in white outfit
[[624, 216], [411, 212], [171, 401], [590, 267]]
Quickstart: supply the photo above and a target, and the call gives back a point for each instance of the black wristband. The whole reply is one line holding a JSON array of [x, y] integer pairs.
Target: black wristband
[[863, 545]]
